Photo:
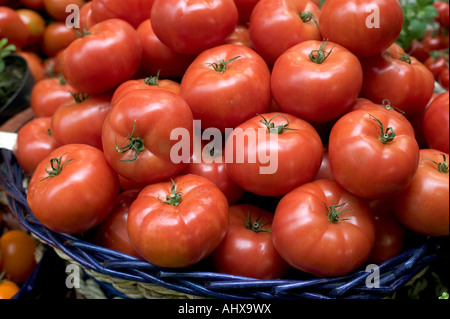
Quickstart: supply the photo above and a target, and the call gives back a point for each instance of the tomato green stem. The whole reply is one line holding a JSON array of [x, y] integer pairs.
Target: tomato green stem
[[256, 226], [136, 144], [385, 136], [83, 33], [174, 198], [307, 16], [79, 96], [334, 214], [221, 65], [405, 57], [319, 56], [442, 167], [387, 104], [271, 128], [152, 80], [56, 165]]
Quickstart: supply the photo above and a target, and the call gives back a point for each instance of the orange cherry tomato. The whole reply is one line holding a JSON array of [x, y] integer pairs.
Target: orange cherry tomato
[[34, 22], [8, 289]]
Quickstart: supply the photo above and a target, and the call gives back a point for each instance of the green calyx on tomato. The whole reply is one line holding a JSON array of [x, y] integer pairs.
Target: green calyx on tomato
[[442, 167], [174, 198], [136, 144], [319, 56], [56, 165], [405, 57], [79, 96], [334, 214], [307, 16], [221, 65], [271, 128], [387, 104], [152, 80], [256, 226], [83, 33], [386, 135]]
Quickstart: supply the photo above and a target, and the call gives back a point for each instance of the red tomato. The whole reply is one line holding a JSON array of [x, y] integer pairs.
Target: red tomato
[[57, 36], [240, 36], [316, 81], [86, 17], [436, 123], [192, 26], [423, 205], [178, 223], [144, 84], [105, 57], [33, 4], [80, 121], [157, 57], [325, 171], [234, 79], [373, 145], [209, 162], [245, 9], [280, 152], [276, 26], [49, 94], [442, 8], [414, 83], [73, 189], [136, 135], [132, 11], [247, 249], [113, 232], [57, 8], [436, 64], [34, 22], [362, 26], [12, 27], [34, 142], [443, 78], [389, 233], [322, 229], [18, 250]]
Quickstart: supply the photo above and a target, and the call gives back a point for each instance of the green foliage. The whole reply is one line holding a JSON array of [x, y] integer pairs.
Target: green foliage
[[418, 17], [5, 50]]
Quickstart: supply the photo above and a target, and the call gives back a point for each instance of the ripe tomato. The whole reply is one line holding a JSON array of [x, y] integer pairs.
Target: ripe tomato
[[73, 189], [157, 57], [240, 36], [148, 83], [389, 233], [414, 83], [80, 121], [247, 249], [234, 79], [209, 162], [322, 229], [8, 289], [442, 8], [113, 232], [107, 55], [324, 171], [136, 135], [34, 22], [33, 4], [178, 223], [436, 123], [18, 260], [86, 17], [436, 63], [373, 145], [49, 94], [443, 78], [423, 205], [316, 81], [132, 11], [57, 36], [276, 26], [190, 27], [12, 27], [364, 27], [57, 8], [34, 142], [272, 153]]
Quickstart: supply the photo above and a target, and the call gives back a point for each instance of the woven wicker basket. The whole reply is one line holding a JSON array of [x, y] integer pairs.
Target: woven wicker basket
[[111, 274]]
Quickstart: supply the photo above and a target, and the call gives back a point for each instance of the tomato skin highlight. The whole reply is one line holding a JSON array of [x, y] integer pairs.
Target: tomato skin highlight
[[182, 235], [436, 123], [78, 198], [247, 252], [308, 241]]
